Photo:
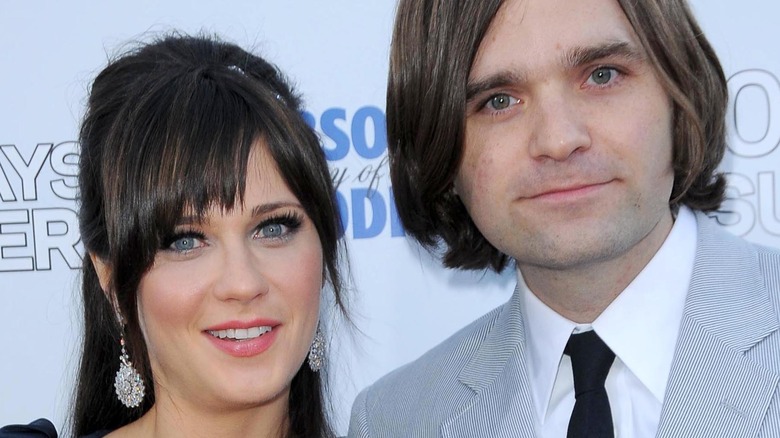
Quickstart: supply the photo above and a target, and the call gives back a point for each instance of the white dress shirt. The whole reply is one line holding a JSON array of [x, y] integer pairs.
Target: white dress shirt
[[640, 326]]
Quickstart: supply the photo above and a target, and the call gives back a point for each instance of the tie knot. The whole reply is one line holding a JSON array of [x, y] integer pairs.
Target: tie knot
[[591, 359]]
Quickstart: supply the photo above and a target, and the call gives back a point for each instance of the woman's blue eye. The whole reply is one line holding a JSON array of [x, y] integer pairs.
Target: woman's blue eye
[[272, 230], [602, 75], [279, 227], [184, 243]]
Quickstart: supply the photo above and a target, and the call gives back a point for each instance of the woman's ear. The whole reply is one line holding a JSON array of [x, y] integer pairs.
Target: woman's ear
[[104, 273]]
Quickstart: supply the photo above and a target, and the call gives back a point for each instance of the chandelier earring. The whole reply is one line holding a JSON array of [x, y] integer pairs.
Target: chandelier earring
[[317, 351], [128, 383]]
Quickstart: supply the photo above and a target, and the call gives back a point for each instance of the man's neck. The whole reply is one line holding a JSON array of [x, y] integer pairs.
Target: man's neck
[[582, 292]]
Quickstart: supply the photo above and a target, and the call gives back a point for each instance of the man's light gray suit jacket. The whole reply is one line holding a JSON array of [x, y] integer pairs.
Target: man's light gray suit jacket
[[723, 381]]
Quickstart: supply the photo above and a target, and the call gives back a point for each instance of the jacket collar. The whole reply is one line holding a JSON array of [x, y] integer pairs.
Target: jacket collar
[[501, 405]]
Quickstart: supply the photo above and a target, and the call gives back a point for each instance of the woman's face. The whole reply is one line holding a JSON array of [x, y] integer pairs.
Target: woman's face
[[230, 306]]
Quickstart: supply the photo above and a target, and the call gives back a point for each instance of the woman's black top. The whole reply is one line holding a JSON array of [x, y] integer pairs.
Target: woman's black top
[[40, 428]]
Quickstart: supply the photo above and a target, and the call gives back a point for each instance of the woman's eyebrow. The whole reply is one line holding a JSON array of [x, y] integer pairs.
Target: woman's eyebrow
[[257, 210], [262, 209]]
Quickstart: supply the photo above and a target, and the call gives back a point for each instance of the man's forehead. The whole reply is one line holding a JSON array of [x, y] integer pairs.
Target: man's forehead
[[529, 31]]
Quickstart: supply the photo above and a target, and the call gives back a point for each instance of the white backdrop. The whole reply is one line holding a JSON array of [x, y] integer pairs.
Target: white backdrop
[[336, 51]]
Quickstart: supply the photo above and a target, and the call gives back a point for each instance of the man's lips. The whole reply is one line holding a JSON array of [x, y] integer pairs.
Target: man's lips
[[568, 191]]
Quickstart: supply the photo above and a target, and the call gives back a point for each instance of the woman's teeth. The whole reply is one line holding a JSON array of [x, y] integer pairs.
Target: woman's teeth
[[240, 334]]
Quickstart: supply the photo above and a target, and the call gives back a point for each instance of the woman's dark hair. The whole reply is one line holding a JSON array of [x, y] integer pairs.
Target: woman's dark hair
[[434, 45], [169, 126]]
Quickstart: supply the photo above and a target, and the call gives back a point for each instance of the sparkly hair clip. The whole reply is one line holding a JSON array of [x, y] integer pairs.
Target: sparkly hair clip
[[236, 68]]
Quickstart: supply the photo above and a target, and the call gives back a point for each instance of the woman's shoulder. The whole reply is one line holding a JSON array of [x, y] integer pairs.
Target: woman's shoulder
[[40, 428]]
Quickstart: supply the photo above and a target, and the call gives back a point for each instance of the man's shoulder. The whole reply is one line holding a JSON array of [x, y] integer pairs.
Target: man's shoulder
[[721, 240], [447, 358], [418, 395], [769, 260]]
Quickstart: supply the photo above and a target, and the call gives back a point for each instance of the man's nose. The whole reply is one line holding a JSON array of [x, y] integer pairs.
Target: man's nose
[[560, 127]]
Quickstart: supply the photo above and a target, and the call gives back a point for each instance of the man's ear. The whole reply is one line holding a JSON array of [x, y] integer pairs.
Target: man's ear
[[104, 273]]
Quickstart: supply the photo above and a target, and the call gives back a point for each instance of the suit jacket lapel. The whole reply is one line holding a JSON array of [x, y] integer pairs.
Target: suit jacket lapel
[[501, 406], [714, 389]]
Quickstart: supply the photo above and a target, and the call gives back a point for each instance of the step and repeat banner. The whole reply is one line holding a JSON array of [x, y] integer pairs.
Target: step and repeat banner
[[402, 302]]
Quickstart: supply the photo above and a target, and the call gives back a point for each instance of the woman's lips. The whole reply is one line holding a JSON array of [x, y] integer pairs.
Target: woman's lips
[[243, 339]]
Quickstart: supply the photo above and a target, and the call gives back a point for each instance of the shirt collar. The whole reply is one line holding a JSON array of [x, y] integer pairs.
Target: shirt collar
[[645, 317]]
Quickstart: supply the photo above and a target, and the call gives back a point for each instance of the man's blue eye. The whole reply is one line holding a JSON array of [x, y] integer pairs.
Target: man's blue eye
[[500, 101], [602, 75]]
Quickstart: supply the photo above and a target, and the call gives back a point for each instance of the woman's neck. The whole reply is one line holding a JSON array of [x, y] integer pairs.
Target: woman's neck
[[174, 418]]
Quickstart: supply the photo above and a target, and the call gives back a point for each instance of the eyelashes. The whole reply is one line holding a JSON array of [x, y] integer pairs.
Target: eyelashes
[[183, 241], [273, 230], [279, 227]]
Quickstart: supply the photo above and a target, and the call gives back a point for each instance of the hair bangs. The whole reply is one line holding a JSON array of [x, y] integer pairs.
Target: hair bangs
[[200, 160]]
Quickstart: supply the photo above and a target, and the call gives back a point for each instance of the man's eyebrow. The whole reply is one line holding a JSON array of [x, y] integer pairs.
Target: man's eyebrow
[[497, 80], [579, 56]]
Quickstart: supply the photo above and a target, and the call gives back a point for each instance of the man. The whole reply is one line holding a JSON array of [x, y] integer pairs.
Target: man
[[579, 139]]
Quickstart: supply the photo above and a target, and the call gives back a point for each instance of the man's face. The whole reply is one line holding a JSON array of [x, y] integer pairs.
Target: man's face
[[568, 149]]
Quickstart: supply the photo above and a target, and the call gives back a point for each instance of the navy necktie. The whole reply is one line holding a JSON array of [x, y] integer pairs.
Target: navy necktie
[[590, 362]]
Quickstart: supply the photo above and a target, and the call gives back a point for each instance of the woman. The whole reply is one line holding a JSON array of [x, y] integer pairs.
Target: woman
[[210, 220]]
